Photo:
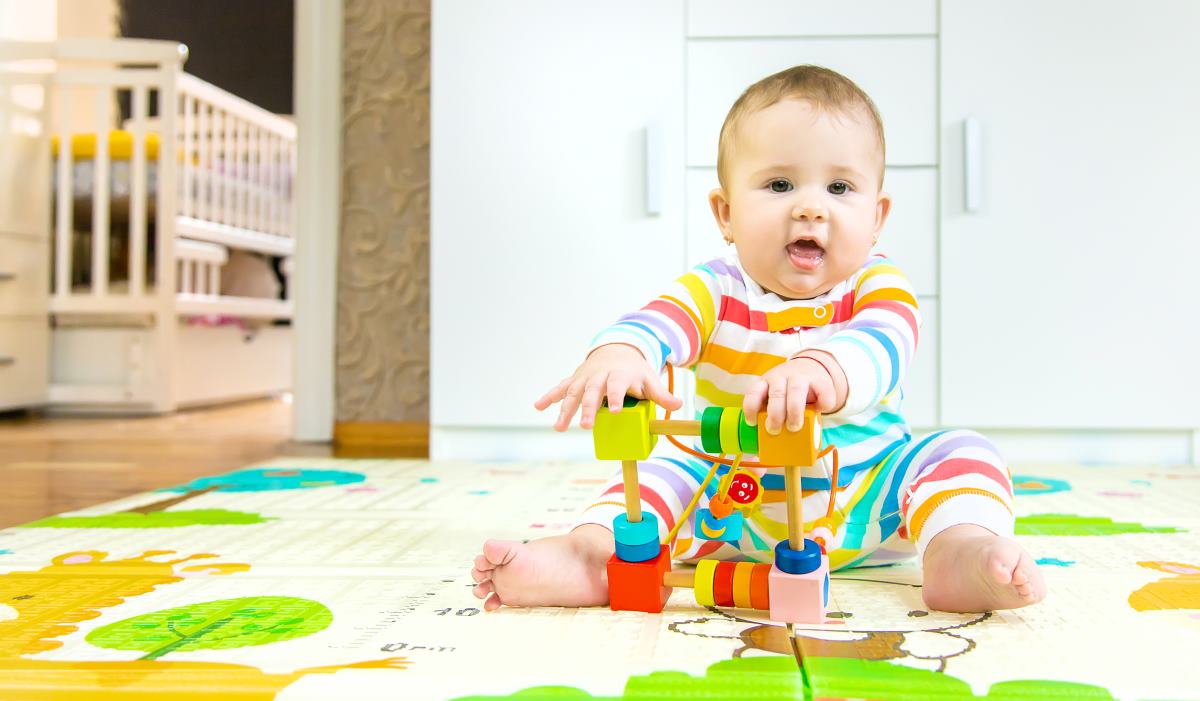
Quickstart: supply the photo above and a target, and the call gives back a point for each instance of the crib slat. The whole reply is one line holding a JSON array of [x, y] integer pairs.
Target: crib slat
[[257, 179], [218, 165], [289, 176], [204, 150], [101, 164], [214, 280], [273, 184], [185, 275], [64, 197], [137, 194], [228, 168], [188, 205], [243, 173]]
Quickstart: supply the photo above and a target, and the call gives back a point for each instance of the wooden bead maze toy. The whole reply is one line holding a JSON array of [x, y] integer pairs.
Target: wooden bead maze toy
[[794, 589]]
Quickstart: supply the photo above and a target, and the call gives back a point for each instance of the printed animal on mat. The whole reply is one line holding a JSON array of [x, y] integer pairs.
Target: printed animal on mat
[[1180, 592]]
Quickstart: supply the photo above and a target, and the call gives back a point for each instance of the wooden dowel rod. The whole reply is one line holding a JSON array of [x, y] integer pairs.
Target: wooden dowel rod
[[795, 510], [679, 580], [674, 427], [633, 495]]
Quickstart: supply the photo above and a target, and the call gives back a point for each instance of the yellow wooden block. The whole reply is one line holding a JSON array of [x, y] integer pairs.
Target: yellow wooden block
[[624, 435], [790, 448]]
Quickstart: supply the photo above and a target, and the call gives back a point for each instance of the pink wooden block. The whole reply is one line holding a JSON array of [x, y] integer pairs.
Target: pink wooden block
[[798, 598]]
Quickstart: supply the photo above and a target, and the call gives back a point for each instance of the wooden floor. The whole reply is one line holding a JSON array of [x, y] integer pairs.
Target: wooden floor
[[53, 464]]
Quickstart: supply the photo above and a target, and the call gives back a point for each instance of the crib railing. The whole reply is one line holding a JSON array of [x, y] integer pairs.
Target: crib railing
[[221, 173], [235, 176]]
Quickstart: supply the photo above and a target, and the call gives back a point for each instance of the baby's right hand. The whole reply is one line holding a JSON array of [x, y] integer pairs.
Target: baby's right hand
[[613, 370]]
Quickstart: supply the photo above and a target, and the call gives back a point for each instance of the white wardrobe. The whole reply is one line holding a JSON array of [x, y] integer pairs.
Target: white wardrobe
[[1042, 176]]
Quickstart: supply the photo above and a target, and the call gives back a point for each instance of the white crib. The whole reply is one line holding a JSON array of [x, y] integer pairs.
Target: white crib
[[147, 212]]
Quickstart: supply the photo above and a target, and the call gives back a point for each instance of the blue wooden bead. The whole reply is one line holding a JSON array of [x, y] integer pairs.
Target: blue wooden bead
[[798, 561], [638, 553], [636, 541]]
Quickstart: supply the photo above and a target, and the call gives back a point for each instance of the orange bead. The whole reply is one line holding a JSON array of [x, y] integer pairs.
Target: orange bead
[[760, 588]]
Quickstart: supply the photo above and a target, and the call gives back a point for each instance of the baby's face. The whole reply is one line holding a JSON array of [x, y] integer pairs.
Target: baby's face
[[801, 200]]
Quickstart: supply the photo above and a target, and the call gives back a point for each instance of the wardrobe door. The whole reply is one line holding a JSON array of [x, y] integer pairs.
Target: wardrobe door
[[1069, 234], [557, 191]]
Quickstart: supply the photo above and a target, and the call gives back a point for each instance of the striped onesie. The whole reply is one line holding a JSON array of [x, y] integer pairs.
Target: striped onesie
[[894, 493]]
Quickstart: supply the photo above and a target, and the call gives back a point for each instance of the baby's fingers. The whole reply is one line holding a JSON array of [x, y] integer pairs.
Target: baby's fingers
[[776, 405], [570, 402], [618, 387], [797, 399], [591, 399], [752, 403], [653, 388], [555, 394]]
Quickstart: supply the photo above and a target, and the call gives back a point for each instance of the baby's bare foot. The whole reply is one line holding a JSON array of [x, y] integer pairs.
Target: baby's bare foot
[[970, 569], [565, 570]]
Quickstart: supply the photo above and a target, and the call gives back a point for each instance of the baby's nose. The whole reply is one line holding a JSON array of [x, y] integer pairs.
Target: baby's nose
[[810, 212]]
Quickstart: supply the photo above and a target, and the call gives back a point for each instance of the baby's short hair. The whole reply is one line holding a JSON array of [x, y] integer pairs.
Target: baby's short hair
[[825, 88]]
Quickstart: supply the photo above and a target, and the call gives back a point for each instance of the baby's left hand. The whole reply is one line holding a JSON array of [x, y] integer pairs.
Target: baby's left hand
[[785, 390]]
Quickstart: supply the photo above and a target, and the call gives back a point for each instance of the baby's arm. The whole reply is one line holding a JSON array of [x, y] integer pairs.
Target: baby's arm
[[873, 352], [629, 355]]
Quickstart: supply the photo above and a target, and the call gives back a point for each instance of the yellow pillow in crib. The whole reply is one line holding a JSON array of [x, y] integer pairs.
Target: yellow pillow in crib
[[120, 146]]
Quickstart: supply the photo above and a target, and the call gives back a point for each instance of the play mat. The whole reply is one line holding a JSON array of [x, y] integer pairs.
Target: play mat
[[348, 579]]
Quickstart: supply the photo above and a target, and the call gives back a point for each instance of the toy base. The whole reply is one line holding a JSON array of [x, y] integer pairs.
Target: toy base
[[799, 598], [638, 586]]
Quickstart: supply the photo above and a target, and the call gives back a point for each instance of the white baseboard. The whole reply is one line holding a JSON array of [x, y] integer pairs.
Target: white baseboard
[[1017, 446]]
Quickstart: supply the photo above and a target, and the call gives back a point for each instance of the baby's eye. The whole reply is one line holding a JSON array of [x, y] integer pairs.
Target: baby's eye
[[779, 185], [838, 188]]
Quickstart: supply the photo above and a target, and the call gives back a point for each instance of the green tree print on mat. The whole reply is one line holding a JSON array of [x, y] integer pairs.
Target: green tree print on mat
[[215, 625]]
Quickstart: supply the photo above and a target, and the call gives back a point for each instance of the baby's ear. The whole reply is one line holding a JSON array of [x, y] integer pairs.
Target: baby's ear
[[719, 202], [883, 207]]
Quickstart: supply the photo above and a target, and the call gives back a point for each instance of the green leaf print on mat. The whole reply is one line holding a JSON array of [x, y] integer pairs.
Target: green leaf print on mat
[[1070, 524], [771, 678], [157, 519]]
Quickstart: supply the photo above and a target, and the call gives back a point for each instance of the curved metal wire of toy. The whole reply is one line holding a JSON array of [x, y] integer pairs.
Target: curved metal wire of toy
[[715, 460], [683, 517]]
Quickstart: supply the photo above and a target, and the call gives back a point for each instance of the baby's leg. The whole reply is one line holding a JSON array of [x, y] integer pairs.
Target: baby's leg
[[956, 497], [569, 570]]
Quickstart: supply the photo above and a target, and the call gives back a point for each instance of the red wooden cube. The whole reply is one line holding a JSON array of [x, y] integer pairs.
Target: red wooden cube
[[638, 586]]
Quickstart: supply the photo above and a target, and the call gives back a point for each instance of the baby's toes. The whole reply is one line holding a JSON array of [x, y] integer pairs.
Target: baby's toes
[[483, 589], [492, 603], [478, 575], [483, 564], [1020, 576], [499, 552]]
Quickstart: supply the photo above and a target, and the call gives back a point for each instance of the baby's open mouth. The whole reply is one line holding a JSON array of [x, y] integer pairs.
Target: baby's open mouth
[[805, 254]]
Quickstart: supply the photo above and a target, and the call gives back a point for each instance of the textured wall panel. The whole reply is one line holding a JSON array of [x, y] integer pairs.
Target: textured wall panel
[[383, 269]]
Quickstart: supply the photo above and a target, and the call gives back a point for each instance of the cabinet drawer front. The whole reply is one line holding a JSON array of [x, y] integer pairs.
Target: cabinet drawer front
[[909, 236], [900, 75], [24, 287], [24, 354], [772, 18]]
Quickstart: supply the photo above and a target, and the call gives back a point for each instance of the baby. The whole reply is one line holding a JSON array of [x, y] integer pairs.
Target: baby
[[803, 314]]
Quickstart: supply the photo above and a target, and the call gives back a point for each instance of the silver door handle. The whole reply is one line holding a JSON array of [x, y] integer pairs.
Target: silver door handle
[[972, 165], [653, 169]]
